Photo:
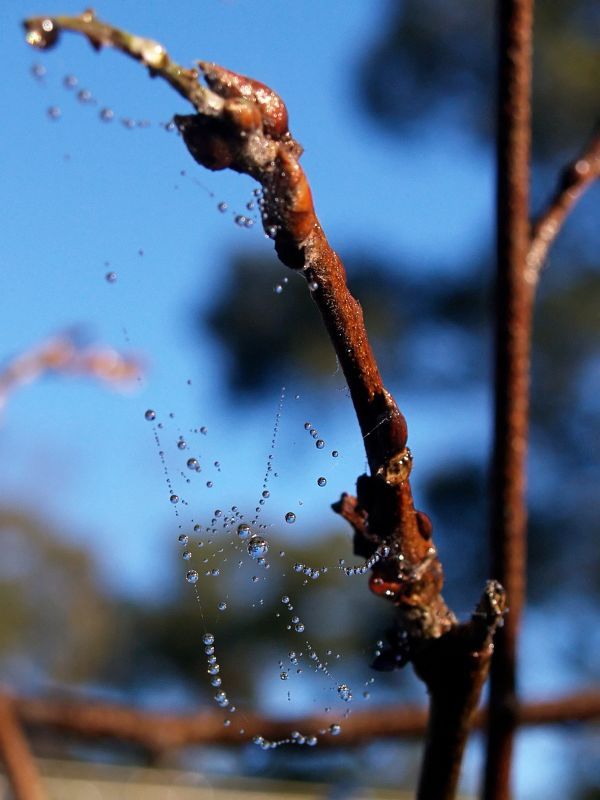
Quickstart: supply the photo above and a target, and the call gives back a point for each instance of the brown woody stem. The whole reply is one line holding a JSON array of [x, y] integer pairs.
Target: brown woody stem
[[575, 179], [514, 306]]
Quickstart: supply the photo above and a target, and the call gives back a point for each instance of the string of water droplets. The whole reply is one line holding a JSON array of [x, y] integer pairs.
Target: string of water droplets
[[106, 114], [256, 547]]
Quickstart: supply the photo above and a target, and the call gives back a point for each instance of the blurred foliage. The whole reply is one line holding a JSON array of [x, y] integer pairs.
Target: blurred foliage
[[437, 59], [279, 332], [282, 332], [54, 623]]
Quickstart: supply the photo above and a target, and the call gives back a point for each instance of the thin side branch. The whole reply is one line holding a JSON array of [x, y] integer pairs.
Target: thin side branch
[[574, 180], [160, 732], [19, 763], [513, 310]]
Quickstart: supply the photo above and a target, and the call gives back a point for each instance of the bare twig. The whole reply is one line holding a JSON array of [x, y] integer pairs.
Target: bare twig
[[242, 125], [575, 179], [19, 762], [514, 305], [61, 354], [159, 732]]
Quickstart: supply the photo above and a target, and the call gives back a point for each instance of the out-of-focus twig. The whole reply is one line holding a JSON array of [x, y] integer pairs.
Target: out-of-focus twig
[[576, 178], [62, 355], [159, 732], [21, 769]]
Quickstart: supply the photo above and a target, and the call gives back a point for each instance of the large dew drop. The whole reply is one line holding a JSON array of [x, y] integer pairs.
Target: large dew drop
[[290, 518], [257, 547], [191, 576]]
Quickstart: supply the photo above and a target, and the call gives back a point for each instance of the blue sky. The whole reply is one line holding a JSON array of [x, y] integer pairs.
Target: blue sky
[[82, 197]]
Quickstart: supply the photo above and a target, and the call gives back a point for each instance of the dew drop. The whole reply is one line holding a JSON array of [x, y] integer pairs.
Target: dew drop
[[38, 71], [334, 453], [344, 692], [299, 627], [193, 464], [321, 481], [313, 286], [320, 444], [222, 606], [244, 530], [257, 547], [278, 288], [186, 555], [84, 96], [191, 576], [106, 114], [174, 498], [290, 518], [208, 638], [222, 699], [111, 277], [54, 113], [284, 676], [335, 729], [222, 207], [150, 415], [70, 81], [183, 538], [182, 444]]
